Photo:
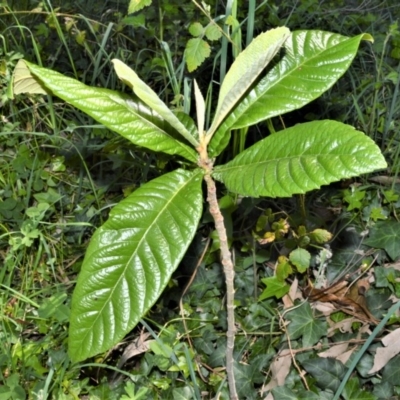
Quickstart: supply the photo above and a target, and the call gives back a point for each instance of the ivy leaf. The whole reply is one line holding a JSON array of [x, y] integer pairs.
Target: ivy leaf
[[196, 51], [354, 198], [304, 324], [131, 258], [275, 287], [183, 393], [327, 372], [300, 159], [301, 259], [391, 372], [385, 235], [352, 391], [383, 390], [377, 213], [284, 393], [248, 375], [137, 5]]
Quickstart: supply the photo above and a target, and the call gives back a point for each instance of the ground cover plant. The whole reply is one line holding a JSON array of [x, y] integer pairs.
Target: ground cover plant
[[185, 356]]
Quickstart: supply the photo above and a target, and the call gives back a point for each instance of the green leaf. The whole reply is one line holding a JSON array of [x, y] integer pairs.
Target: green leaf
[[184, 393], [196, 51], [117, 111], [312, 62], [301, 259], [384, 276], [320, 236], [213, 32], [383, 390], [25, 82], [188, 122], [200, 108], [304, 324], [300, 159], [353, 197], [284, 393], [283, 269], [391, 372], [352, 391], [275, 287], [196, 29], [245, 70], [51, 306], [137, 5], [246, 375], [377, 213], [328, 372], [149, 97], [385, 235], [130, 260]]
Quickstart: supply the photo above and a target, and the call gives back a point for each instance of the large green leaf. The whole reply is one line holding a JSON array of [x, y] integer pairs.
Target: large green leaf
[[117, 111], [130, 260], [149, 97], [312, 62], [300, 159], [246, 69]]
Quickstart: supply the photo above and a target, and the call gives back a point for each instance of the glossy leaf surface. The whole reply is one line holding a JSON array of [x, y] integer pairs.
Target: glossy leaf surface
[[246, 69], [130, 260], [312, 61], [300, 159], [117, 111]]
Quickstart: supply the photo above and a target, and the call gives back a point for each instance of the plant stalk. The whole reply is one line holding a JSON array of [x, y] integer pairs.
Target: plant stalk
[[226, 259]]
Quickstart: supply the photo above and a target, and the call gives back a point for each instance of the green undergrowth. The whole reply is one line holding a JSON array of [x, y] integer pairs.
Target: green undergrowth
[[58, 174]]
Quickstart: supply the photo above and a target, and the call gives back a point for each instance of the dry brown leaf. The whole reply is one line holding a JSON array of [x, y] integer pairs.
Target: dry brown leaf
[[339, 352], [344, 326], [270, 396], [280, 369], [325, 308], [288, 299], [138, 346], [384, 180], [349, 300], [384, 354], [346, 355], [334, 351]]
